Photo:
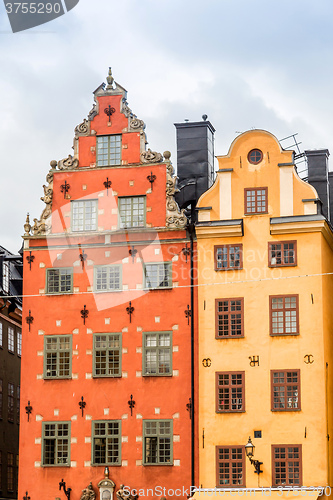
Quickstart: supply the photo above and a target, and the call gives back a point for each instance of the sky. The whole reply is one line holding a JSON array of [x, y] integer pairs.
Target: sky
[[261, 64]]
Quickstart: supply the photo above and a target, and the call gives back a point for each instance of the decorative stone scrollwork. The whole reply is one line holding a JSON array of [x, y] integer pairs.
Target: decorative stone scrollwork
[[67, 163], [150, 156], [93, 112], [125, 109], [175, 218], [136, 124], [133, 121], [82, 129], [43, 225]]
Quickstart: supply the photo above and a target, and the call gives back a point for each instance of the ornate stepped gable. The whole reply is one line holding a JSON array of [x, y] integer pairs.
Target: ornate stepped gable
[[175, 218]]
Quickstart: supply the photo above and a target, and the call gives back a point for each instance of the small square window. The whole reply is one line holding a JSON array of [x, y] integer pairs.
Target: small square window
[[228, 257], [57, 356], [158, 275], [157, 447], [84, 215], [56, 443], [256, 201], [59, 280], [282, 253]]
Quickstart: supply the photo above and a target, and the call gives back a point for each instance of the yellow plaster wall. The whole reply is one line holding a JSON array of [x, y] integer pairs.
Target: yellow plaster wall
[[255, 282], [265, 174], [327, 258]]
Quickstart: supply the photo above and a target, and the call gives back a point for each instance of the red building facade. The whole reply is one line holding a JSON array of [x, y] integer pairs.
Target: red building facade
[[106, 363]]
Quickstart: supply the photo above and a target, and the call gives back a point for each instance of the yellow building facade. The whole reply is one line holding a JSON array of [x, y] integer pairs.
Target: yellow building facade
[[265, 326]]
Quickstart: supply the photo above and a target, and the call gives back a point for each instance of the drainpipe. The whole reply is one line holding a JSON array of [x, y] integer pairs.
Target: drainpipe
[[191, 229]]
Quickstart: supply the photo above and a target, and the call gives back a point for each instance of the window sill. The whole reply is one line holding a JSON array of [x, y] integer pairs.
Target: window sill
[[158, 375], [148, 289], [158, 465], [56, 465], [274, 266], [227, 337], [285, 410], [255, 213], [108, 291], [284, 334], [218, 412], [105, 465], [57, 378], [218, 269], [106, 376], [52, 294]]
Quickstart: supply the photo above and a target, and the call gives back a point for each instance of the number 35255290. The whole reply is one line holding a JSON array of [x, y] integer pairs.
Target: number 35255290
[[33, 8]]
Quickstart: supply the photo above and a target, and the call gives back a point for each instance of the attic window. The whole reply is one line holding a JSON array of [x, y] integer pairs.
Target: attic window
[[255, 156], [108, 150]]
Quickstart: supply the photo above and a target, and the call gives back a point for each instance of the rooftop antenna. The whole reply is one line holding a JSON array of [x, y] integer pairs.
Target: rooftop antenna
[[298, 156]]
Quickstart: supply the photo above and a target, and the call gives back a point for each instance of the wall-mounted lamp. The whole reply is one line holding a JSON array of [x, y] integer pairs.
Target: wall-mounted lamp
[[249, 449], [67, 491]]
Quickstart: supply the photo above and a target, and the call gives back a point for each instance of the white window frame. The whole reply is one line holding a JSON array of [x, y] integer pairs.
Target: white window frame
[[85, 226], [19, 342], [11, 339], [108, 269]]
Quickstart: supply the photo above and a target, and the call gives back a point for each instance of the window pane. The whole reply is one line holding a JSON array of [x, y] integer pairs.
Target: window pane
[[84, 215], [11, 339], [158, 275], [107, 355], [108, 150], [106, 442], [157, 442], [58, 356], [132, 211], [157, 353]]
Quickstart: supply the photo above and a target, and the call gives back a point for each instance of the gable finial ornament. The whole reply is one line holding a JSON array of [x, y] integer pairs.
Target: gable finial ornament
[[27, 226], [110, 80], [175, 218]]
